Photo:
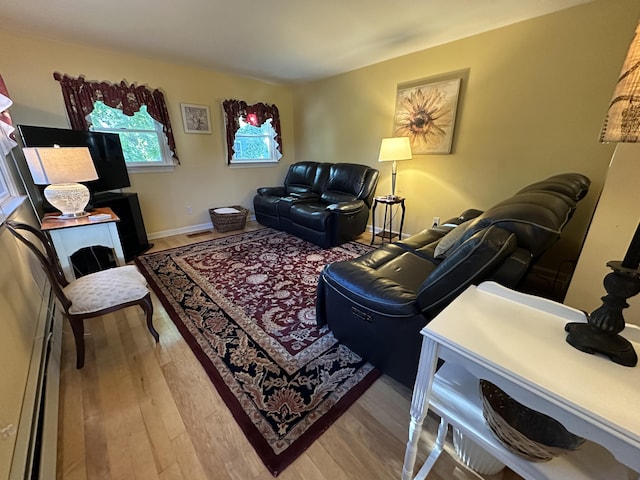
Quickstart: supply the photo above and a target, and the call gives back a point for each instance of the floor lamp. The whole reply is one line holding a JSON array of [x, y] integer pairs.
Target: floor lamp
[[601, 332], [391, 150]]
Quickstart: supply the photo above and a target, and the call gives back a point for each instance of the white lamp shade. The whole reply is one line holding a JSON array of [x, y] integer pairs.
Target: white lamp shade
[[395, 148], [51, 165]]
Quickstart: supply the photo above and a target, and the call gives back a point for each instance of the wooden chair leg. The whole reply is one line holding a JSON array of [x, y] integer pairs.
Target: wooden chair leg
[[77, 326], [147, 307]]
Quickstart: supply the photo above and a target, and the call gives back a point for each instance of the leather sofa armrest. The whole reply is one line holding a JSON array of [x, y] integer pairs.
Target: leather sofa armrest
[[370, 290], [513, 268], [466, 264], [303, 197], [346, 207], [273, 191]]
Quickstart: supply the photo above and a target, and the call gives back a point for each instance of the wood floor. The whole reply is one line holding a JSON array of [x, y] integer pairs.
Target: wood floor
[[138, 410]]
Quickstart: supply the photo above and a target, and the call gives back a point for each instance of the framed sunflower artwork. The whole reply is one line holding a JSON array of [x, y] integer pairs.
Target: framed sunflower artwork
[[426, 114]]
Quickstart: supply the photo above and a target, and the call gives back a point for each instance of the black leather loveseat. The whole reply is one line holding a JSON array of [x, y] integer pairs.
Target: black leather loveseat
[[324, 203], [378, 303]]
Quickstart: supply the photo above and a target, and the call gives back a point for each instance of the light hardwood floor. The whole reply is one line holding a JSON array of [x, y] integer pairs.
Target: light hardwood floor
[[138, 410]]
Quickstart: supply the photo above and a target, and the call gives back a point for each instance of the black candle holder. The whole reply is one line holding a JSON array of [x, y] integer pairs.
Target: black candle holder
[[600, 333]]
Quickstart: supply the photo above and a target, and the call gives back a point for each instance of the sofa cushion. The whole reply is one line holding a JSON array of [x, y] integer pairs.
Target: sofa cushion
[[450, 239], [425, 242], [347, 182], [384, 280], [310, 215], [300, 177]]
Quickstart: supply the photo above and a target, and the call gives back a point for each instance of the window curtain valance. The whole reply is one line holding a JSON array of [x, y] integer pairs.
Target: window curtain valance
[[80, 96], [234, 109]]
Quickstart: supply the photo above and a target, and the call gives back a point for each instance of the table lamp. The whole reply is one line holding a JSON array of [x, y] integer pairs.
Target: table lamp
[[391, 150], [61, 169], [601, 332]]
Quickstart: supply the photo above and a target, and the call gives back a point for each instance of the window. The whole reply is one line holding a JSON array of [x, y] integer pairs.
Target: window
[[144, 143], [252, 132], [142, 122], [255, 143]]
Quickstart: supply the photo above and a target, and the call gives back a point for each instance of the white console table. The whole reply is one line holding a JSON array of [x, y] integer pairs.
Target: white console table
[[70, 235], [517, 342]]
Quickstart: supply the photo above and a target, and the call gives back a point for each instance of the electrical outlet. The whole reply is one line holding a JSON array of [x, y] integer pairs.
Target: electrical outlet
[[436, 221], [189, 210]]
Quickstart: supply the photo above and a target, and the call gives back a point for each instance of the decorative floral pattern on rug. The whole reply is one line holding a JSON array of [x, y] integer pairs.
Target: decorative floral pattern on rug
[[246, 305]]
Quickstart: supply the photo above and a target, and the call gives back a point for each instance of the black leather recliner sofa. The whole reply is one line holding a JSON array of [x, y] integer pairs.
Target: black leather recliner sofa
[[324, 203], [378, 303]]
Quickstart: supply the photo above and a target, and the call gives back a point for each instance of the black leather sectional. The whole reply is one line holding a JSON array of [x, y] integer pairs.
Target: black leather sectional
[[324, 203], [378, 303]]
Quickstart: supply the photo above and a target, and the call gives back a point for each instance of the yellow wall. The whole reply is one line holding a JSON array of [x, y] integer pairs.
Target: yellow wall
[[535, 98], [531, 106], [203, 180]]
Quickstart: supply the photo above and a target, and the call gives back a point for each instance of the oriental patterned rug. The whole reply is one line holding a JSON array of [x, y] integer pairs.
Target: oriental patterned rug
[[245, 304]]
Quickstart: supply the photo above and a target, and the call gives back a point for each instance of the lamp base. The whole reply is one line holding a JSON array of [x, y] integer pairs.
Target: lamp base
[[589, 339], [600, 333], [69, 216], [70, 198]]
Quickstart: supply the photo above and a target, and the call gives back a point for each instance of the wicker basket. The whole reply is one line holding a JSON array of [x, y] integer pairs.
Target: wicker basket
[[225, 220], [526, 432]]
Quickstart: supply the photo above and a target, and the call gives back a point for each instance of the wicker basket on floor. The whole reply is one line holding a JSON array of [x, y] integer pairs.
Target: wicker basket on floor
[[524, 431], [224, 221]]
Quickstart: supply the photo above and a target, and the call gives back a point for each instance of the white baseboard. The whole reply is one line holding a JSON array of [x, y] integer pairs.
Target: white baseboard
[[207, 226], [186, 230]]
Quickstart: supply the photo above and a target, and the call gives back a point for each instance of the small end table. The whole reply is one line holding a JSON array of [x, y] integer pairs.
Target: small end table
[[387, 225], [70, 235]]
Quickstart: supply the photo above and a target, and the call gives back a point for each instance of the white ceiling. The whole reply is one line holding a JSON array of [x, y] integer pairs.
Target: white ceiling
[[274, 40]]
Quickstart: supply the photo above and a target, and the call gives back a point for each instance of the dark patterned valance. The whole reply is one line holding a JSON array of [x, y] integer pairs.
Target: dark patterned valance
[[80, 96], [234, 109]]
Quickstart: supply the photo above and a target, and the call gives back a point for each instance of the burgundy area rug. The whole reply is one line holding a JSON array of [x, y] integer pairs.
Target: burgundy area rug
[[246, 306]]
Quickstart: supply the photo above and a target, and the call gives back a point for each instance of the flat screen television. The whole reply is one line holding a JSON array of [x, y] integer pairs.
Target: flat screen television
[[105, 149]]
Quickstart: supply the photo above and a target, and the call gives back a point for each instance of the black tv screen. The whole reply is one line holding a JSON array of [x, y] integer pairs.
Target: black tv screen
[[105, 149]]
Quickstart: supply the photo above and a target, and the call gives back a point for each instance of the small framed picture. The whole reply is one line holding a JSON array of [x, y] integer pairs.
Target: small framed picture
[[195, 118]]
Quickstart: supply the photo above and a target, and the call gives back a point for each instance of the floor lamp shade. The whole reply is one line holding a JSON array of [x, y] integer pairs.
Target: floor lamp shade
[[61, 169], [391, 150]]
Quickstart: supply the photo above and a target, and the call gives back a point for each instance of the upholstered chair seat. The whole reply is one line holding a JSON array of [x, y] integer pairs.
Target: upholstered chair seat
[[106, 289]]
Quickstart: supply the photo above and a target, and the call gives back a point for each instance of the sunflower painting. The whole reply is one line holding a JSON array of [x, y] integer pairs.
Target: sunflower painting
[[426, 114]]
